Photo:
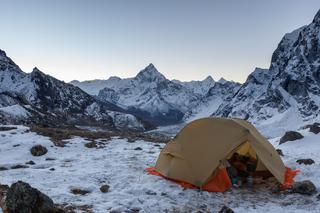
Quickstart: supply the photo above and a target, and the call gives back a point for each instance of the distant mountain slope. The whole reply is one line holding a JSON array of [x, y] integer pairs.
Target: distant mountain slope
[[287, 94], [198, 87], [151, 95], [221, 92], [37, 97]]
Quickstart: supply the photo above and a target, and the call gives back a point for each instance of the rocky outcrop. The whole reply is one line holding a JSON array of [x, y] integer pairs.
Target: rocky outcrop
[[307, 161], [304, 187], [22, 198], [290, 136], [288, 92], [314, 128]]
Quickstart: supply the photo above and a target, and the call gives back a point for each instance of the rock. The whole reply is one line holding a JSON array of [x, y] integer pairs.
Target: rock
[[226, 209], [30, 162], [3, 168], [149, 192], [290, 136], [4, 128], [104, 188], [52, 169], [19, 166], [3, 191], [16, 145], [91, 144], [78, 191], [135, 210], [318, 196], [163, 194], [22, 198], [50, 159], [304, 187], [315, 128], [280, 152], [138, 148], [38, 150], [307, 161]]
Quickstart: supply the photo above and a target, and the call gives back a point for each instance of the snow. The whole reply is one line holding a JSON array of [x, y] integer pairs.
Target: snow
[[119, 165], [15, 110], [205, 109]]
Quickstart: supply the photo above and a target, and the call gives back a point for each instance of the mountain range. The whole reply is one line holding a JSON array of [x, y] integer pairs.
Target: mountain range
[[284, 96]]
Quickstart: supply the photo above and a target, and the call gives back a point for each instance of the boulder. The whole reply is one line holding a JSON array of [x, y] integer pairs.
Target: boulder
[[104, 188], [91, 144], [22, 198], [307, 161], [280, 152], [226, 209], [30, 162], [78, 191], [315, 128], [138, 148], [3, 192], [3, 168], [19, 166], [290, 136], [38, 150], [304, 187]]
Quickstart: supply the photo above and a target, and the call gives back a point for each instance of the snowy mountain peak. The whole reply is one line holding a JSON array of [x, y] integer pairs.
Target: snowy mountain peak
[[6, 63], [209, 79], [35, 69], [222, 81], [150, 74], [317, 17], [3, 53]]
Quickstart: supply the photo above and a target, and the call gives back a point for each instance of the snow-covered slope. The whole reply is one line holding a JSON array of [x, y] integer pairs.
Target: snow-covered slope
[[37, 96], [198, 87], [120, 165], [289, 91], [221, 92]]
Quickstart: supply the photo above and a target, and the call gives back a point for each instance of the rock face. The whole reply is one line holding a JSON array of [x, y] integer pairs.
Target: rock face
[[37, 97], [304, 187], [22, 198], [288, 92], [38, 150], [308, 161], [290, 136]]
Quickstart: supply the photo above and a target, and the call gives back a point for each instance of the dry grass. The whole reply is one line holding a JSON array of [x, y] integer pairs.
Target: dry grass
[[59, 135]]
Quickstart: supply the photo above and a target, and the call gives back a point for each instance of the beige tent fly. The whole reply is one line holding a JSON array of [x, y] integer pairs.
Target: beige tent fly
[[195, 153]]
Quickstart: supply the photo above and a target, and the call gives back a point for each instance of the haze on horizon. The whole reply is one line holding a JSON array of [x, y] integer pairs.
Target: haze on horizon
[[184, 39]]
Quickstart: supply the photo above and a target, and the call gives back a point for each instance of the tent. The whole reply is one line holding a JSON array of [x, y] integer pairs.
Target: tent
[[193, 157]]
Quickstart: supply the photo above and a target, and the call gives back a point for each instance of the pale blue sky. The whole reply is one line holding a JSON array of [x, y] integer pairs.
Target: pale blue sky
[[185, 40]]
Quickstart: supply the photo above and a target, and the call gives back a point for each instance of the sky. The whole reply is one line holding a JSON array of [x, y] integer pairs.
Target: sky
[[184, 39]]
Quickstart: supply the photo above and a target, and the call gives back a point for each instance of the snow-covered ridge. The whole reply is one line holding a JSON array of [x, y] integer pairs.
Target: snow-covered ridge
[[150, 94], [52, 101], [288, 93]]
